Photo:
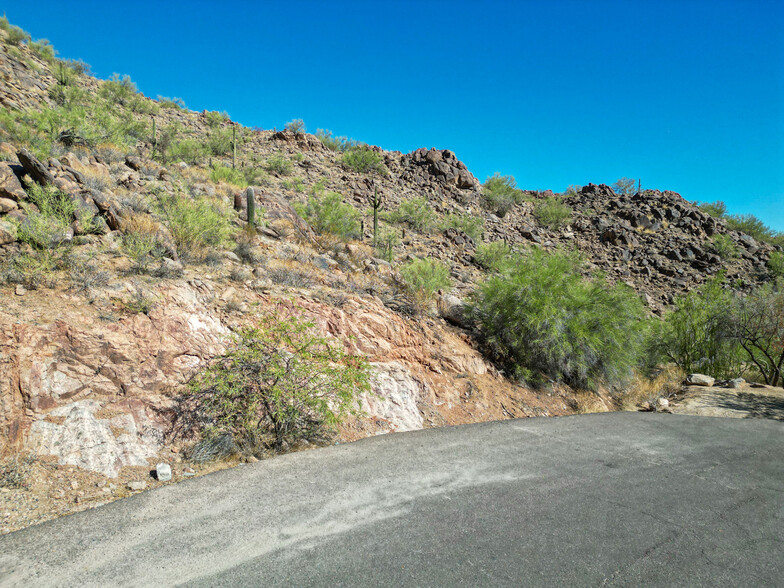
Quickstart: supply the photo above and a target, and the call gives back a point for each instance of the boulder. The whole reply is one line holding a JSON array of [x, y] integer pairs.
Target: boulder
[[699, 380], [10, 186], [163, 472], [454, 310], [34, 168], [7, 233]]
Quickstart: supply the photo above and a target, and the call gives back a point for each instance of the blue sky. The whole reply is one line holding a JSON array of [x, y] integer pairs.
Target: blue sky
[[687, 95]]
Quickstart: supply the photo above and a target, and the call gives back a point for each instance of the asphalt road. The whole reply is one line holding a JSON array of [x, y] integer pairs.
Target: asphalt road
[[617, 499]]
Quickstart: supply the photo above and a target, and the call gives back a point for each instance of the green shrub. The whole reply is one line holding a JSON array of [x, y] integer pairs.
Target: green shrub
[[118, 89], [191, 151], [15, 35], [220, 142], [279, 383], [142, 248], [214, 119], [541, 315], [43, 48], [751, 225], [171, 103], [415, 212], [776, 264], [230, 175], [362, 159], [278, 164], [296, 126], [692, 334], [470, 224], [492, 256], [624, 186], [424, 277], [329, 214], [724, 247], [333, 143], [500, 193], [196, 225], [387, 241], [46, 227], [551, 213], [716, 209]]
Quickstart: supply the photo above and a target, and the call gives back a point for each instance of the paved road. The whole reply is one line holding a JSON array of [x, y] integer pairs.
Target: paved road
[[616, 499]]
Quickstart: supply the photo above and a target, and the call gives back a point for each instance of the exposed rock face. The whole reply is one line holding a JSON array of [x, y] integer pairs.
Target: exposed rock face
[[10, 186], [395, 397], [438, 166], [36, 170]]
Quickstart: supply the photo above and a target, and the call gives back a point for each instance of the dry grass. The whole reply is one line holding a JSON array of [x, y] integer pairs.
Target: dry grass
[[664, 384]]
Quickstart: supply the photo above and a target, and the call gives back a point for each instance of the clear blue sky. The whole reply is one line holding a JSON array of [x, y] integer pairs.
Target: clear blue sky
[[687, 95]]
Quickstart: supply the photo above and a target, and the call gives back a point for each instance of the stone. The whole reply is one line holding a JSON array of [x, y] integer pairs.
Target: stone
[[137, 485], [736, 383], [163, 472], [394, 398], [662, 404], [10, 186], [35, 169], [7, 233], [135, 163], [700, 380], [20, 290], [453, 310]]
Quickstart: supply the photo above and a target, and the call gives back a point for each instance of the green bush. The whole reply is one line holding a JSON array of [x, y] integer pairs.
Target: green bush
[[171, 103], [387, 241], [220, 142], [724, 247], [235, 177], [15, 35], [362, 159], [214, 119], [141, 248], [329, 214], [196, 225], [118, 89], [278, 164], [333, 143], [692, 334], [751, 225], [470, 224], [191, 151], [500, 193], [624, 186], [551, 213], [541, 315], [424, 277], [47, 227], [278, 384], [776, 264], [492, 256], [716, 209], [296, 126], [415, 212], [43, 48]]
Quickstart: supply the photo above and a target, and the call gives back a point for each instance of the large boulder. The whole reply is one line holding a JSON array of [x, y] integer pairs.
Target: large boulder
[[34, 168], [10, 186], [700, 380], [454, 310]]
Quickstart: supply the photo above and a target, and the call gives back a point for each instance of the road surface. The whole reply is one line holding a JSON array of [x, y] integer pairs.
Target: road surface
[[618, 499]]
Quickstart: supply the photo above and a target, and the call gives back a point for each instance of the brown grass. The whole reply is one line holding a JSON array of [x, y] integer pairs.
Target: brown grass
[[664, 384]]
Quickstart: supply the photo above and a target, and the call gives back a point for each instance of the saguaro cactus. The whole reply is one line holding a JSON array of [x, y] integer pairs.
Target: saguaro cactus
[[376, 203], [251, 207], [234, 146], [154, 139]]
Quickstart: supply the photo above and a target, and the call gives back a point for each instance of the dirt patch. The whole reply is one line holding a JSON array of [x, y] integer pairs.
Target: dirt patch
[[746, 402]]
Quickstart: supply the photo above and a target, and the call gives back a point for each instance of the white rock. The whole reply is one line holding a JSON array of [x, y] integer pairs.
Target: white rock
[[700, 380], [395, 396], [736, 383], [137, 485], [662, 403], [163, 472]]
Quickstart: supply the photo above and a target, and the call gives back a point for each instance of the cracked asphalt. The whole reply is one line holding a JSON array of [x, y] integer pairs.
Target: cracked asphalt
[[618, 499]]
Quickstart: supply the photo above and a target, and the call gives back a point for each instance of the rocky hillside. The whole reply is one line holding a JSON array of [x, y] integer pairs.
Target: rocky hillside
[[106, 316]]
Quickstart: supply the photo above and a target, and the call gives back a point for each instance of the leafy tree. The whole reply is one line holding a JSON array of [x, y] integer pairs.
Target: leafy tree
[[280, 382], [296, 126], [415, 212], [424, 277], [363, 159], [541, 315], [551, 213], [625, 187], [329, 214], [716, 209]]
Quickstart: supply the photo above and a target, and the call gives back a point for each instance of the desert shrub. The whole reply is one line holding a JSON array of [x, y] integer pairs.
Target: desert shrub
[[215, 119], [118, 89], [15, 35], [362, 159], [295, 184], [500, 193], [296, 126], [751, 225], [386, 242], [235, 177], [492, 256], [329, 214], [692, 334], [196, 225], [551, 213], [724, 247], [541, 316], [34, 269], [415, 212], [43, 48], [140, 301], [190, 151], [624, 186], [424, 277], [47, 227], [278, 164], [220, 141], [716, 209], [171, 103], [333, 143], [572, 190], [776, 264], [279, 383], [470, 224]]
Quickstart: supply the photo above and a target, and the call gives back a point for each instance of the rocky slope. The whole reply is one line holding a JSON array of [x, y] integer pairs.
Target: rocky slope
[[94, 352]]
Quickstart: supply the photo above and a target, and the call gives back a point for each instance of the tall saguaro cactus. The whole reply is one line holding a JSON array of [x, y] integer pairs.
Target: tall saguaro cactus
[[376, 203], [154, 139], [251, 207], [233, 146]]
